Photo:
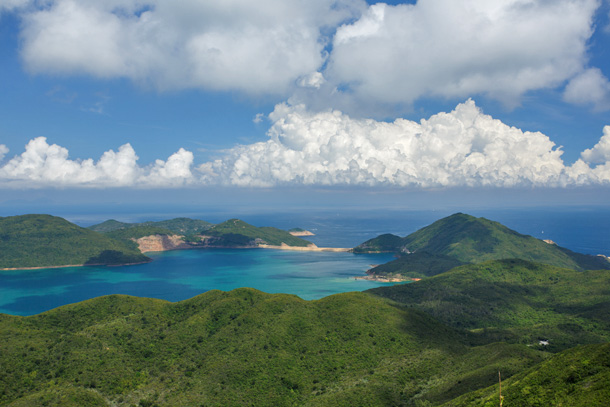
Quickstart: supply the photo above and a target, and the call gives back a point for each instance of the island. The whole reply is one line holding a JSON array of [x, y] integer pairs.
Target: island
[[464, 239], [45, 241]]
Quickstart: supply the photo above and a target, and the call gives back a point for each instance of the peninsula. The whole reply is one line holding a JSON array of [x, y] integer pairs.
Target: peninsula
[[463, 239]]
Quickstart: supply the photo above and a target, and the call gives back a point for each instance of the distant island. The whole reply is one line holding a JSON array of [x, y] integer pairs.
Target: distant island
[[463, 239], [45, 241]]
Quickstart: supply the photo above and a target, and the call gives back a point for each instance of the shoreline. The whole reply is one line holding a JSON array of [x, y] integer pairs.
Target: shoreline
[[386, 279], [311, 248], [72, 265]]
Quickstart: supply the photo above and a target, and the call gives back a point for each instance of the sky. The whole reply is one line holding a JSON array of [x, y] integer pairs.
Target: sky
[[294, 101]]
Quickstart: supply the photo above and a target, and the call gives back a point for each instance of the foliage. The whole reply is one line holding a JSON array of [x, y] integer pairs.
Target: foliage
[[474, 240], [179, 226], [244, 347], [516, 301], [577, 377], [137, 232], [235, 231], [417, 265], [44, 240]]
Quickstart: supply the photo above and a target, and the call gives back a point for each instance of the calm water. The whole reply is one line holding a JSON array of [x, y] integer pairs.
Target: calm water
[[180, 275]]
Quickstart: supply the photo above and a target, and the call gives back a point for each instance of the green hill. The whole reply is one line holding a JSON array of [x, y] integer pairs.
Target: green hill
[[243, 347], [473, 240], [237, 232], [515, 301], [577, 377], [180, 226], [45, 241]]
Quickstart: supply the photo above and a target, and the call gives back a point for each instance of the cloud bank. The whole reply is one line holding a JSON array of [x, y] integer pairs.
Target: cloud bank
[[254, 47], [44, 165], [327, 51], [461, 148]]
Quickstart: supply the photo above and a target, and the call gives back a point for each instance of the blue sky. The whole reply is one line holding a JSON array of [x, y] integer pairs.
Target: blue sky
[[117, 99]]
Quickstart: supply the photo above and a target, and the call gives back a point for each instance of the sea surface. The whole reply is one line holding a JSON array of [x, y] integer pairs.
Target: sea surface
[[179, 275]]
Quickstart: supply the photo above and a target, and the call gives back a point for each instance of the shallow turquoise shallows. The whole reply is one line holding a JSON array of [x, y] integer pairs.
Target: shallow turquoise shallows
[[179, 275]]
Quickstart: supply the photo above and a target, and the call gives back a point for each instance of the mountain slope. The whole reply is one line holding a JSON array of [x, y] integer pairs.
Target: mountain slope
[[474, 240], [180, 226], [578, 377], [243, 347], [237, 232], [44, 241], [516, 301]]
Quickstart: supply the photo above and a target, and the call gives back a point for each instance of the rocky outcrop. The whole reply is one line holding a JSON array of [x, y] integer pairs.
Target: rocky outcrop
[[300, 233], [161, 243]]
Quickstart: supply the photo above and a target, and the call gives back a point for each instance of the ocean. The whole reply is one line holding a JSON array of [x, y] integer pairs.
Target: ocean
[[179, 275]]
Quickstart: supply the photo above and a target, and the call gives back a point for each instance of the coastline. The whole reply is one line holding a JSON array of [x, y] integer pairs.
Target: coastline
[[311, 248], [386, 279], [72, 265]]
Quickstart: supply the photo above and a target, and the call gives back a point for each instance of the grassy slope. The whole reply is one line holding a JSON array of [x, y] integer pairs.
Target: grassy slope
[[516, 301], [474, 240], [238, 232], [44, 240], [417, 265], [578, 377], [181, 226], [244, 347]]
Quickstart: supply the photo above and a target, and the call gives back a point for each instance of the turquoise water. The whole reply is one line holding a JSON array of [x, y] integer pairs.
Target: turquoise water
[[179, 275]]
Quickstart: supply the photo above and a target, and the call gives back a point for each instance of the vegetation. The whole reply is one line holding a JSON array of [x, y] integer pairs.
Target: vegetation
[[515, 301], [45, 241], [416, 265], [576, 377], [244, 348], [436, 342], [474, 240], [179, 226], [237, 232]]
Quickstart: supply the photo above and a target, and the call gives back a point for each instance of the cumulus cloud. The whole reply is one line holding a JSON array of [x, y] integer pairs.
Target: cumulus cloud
[[444, 48], [600, 153], [327, 51], [10, 5], [254, 47], [3, 151], [590, 87], [461, 148], [44, 165]]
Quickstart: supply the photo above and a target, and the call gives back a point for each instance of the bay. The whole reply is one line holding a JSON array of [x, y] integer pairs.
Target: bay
[[179, 275], [182, 274]]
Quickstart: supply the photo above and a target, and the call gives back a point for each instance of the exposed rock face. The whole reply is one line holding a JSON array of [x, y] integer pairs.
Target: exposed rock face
[[549, 241], [161, 243], [300, 233]]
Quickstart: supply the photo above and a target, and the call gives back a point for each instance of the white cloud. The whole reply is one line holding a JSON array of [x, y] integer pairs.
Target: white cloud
[[600, 153], [313, 80], [463, 147], [381, 54], [44, 165], [3, 151], [447, 48], [10, 5], [590, 87], [254, 47]]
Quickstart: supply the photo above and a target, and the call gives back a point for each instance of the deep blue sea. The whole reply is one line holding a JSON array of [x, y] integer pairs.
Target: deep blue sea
[[180, 275]]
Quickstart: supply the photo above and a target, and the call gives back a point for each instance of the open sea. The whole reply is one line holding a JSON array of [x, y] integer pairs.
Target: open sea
[[179, 275]]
